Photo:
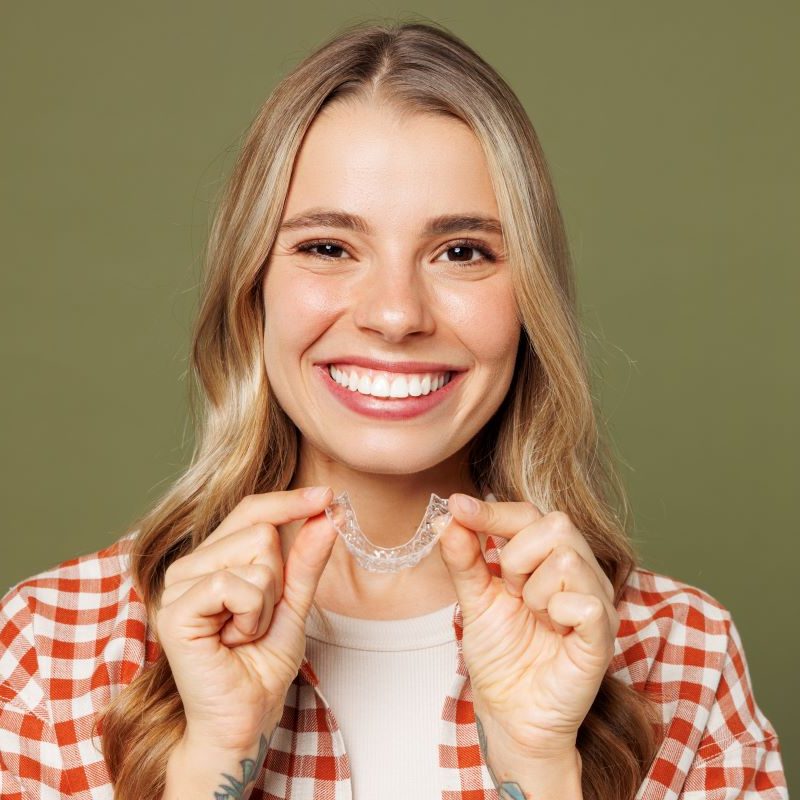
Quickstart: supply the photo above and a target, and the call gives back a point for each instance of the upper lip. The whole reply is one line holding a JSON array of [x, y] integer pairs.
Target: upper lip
[[393, 366]]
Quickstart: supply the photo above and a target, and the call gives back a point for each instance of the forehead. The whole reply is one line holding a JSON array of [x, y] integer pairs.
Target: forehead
[[368, 159]]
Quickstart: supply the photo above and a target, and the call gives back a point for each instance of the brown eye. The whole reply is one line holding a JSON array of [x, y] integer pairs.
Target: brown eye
[[327, 250], [464, 252]]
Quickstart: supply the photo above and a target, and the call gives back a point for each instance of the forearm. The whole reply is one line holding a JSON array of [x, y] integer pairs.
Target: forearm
[[195, 774], [520, 777]]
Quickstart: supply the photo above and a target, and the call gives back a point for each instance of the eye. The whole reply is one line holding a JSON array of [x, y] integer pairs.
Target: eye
[[464, 248], [328, 249]]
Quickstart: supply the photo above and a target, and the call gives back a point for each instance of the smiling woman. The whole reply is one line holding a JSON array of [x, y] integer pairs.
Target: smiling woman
[[388, 311]]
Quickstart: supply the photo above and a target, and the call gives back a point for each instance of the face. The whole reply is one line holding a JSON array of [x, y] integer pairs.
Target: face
[[400, 284]]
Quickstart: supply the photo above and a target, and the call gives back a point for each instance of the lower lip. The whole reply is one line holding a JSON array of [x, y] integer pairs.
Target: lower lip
[[389, 407]]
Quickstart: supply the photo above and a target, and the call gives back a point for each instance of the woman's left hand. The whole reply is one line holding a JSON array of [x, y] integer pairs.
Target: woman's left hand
[[538, 641]]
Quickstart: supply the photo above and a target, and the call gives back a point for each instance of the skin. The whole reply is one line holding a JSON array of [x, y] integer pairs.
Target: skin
[[395, 294]]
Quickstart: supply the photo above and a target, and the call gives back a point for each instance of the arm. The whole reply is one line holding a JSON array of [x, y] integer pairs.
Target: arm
[[10, 787], [521, 778], [202, 772], [739, 756]]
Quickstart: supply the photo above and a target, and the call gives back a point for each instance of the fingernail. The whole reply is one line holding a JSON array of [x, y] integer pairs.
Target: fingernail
[[316, 493], [466, 503]]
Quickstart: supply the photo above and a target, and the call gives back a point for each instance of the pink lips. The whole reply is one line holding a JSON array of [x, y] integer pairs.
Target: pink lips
[[388, 408]]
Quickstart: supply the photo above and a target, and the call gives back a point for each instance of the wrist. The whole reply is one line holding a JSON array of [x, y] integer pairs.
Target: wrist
[[547, 772], [239, 741], [550, 749], [205, 770]]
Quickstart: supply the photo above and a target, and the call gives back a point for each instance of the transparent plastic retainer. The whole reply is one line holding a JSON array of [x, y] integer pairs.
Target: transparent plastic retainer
[[388, 559]]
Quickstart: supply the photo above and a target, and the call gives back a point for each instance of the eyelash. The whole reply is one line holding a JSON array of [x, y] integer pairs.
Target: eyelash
[[488, 254]]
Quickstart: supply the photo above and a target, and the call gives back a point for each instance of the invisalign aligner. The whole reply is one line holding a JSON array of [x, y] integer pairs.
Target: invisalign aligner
[[388, 559]]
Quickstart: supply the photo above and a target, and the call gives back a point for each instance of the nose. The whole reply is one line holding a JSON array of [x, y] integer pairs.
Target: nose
[[393, 301]]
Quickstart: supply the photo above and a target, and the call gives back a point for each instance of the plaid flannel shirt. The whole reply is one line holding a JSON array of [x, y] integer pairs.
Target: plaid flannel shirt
[[75, 635]]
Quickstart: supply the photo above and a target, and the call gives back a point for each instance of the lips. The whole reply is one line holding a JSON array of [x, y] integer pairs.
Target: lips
[[388, 408]]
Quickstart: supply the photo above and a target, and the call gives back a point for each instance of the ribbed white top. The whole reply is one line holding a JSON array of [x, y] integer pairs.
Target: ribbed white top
[[385, 681]]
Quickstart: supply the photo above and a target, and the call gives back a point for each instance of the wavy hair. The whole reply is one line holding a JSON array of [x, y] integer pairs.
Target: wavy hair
[[543, 444]]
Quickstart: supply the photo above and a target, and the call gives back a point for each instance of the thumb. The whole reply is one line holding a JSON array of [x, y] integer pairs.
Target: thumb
[[306, 562], [461, 553]]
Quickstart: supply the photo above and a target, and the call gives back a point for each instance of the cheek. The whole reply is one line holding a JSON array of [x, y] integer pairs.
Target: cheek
[[297, 310], [485, 320]]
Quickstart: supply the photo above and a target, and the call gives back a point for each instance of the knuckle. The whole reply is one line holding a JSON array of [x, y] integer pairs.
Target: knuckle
[[594, 608], [263, 576], [560, 522], [219, 581], [264, 534], [247, 501], [566, 557]]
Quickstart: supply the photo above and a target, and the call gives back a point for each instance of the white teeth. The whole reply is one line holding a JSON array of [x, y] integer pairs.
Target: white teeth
[[399, 388], [379, 387], [401, 385]]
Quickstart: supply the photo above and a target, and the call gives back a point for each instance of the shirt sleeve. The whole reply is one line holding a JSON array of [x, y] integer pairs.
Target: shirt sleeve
[[10, 787], [31, 763], [738, 757]]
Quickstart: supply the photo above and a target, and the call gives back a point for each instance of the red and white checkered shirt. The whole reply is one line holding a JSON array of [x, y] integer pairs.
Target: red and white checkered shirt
[[75, 635]]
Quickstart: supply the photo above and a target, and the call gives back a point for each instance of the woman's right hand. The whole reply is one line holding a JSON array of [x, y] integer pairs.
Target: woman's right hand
[[232, 619]]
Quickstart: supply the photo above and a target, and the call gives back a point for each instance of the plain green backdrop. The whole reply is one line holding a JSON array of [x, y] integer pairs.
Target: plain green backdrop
[[671, 131]]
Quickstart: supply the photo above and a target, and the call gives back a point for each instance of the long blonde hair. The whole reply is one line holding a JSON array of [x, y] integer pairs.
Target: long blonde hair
[[542, 444]]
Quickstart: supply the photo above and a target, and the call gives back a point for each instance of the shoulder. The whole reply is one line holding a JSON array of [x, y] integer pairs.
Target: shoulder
[[69, 630], [667, 629]]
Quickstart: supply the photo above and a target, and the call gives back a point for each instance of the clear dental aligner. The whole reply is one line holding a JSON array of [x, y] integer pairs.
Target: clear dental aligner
[[387, 559]]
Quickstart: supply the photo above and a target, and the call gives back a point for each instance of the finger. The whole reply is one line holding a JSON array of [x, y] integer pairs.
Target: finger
[[257, 544], [306, 562], [257, 574], [565, 570], [499, 519], [235, 633], [472, 580], [586, 614], [277, 508], [530, 547], [203, 609]]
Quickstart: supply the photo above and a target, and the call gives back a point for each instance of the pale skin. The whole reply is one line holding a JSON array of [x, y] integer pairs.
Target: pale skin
[[394, 294]]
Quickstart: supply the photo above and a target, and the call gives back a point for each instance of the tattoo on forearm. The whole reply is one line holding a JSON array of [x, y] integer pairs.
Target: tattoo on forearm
[[250, 767], [507, 790]]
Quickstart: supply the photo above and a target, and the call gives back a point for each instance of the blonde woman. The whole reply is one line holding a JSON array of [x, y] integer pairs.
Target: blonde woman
[[388, 309]]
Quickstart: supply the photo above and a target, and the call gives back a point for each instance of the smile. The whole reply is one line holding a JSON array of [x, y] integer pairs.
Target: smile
[[372, 393], [377, 383]]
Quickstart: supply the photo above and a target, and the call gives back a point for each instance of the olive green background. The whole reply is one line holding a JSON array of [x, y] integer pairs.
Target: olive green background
[[671, 131]]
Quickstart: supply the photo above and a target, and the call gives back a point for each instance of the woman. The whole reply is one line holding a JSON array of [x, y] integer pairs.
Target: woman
[[388, 310]]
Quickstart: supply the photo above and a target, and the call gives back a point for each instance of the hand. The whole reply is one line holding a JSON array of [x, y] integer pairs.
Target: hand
[[538, 641], [232, 618]]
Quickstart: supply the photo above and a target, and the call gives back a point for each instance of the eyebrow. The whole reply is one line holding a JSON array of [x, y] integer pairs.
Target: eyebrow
[[436, 226]]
